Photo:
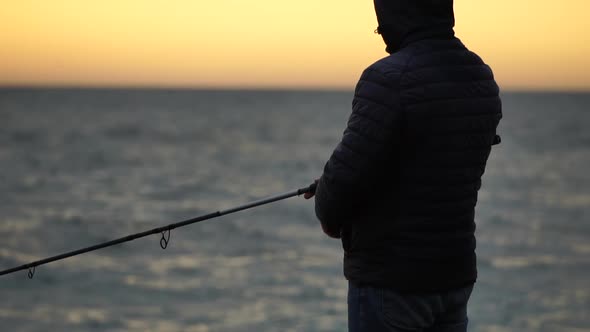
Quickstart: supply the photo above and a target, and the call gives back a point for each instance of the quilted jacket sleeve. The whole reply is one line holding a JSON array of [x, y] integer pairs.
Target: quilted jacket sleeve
[[367, 152]]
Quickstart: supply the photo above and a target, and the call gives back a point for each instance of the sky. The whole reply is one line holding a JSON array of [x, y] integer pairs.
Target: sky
[[530, 44]]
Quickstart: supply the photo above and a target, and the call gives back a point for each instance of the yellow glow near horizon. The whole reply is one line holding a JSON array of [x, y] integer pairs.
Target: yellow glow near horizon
[[236, 43]]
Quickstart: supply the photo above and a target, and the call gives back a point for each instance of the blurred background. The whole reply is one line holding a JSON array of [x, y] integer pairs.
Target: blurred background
[[120, 116]]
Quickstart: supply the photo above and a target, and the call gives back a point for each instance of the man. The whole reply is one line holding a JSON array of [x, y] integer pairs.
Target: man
[[401, 187]]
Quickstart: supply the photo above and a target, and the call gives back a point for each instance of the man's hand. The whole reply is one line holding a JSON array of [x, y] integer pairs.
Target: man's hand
[[333, 233], [309, 195]]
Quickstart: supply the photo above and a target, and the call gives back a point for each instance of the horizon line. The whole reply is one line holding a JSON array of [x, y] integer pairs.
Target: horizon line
[[252, 88]]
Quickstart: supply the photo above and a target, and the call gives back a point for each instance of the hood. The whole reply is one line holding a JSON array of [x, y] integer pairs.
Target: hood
[[404, 21]]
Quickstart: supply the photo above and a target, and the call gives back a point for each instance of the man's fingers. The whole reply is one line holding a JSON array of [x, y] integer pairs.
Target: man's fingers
[[311, 193]]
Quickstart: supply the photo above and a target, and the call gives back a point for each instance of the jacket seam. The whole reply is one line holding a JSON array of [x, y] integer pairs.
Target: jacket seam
[[410, 87], [370, 100], [356, 131], [452, 99], [464, 80], [337, 158], [364, 116]]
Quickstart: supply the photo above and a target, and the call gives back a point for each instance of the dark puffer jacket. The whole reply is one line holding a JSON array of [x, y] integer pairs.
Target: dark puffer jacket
[[401, 187]]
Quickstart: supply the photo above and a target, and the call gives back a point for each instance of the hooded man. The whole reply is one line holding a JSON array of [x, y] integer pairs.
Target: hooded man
[[400, 189]]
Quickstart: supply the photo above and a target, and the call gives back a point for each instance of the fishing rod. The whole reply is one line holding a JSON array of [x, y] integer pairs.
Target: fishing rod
[[165, 231]]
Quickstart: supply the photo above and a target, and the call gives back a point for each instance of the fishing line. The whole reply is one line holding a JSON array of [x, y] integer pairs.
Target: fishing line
[[165, 231]]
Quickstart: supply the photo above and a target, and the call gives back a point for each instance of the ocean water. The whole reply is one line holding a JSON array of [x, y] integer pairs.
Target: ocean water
[[78, 167]]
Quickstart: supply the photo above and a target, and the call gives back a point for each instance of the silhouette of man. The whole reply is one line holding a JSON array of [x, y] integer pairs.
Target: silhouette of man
[[400, 189]]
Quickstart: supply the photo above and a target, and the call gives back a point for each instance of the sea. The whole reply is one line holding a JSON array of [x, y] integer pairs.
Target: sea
[[83, 166]]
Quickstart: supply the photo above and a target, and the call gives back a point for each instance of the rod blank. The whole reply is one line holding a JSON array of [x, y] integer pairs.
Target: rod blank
[[159, 230]]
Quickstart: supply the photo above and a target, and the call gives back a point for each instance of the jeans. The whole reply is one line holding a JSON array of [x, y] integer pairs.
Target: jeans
[[380, 309]]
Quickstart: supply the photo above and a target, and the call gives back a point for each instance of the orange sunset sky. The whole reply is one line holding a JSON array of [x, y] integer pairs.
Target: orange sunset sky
[[540, 45]]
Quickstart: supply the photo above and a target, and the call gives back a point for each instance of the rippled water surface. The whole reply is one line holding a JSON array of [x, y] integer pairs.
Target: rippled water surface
[[83, 166]]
